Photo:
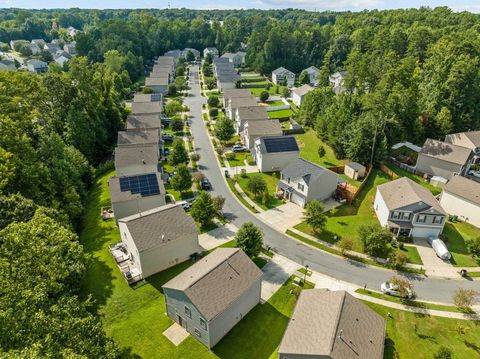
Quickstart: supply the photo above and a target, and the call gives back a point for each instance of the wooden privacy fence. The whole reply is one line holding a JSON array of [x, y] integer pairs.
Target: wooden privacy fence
[[349, 192]]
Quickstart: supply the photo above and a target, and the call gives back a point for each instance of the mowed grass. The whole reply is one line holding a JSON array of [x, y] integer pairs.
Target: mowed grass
[[455, 234], [271, 180], [280, 113], [309, 143], [135, 317], [411, 335], [273, 90], [412, 254], [239, 159]]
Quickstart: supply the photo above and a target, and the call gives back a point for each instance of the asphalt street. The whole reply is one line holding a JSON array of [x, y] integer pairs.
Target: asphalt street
[[432, 289]]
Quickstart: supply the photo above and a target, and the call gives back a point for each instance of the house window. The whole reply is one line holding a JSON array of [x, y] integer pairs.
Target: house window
[[197, 332], [421, 218], [301, 187], [437, 220], [203, 323], [395, 215], [406, 216], [188, 312]]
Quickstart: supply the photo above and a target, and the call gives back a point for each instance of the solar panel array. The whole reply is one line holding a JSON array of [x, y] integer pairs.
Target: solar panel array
[[146, 185], [280, 144]]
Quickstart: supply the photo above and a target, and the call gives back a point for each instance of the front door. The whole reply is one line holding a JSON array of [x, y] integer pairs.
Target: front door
[[180, 321]]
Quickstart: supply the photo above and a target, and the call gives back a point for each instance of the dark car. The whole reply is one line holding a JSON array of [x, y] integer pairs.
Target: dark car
[[206, 185], [167, 137]]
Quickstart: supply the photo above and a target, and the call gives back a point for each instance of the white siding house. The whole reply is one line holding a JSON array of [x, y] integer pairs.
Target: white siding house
[[274, 153], [282, 75], [299, 93], [461, 198]]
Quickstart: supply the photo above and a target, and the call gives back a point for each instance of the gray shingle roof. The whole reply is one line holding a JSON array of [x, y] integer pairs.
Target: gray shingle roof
[[228, 77], [146, 108], [159, 226], [236, 93], [404, 192], [237, 102], [264, 128], [303, 90], [464, 188], [156, 81], [217, 280], [151, 136], [281, 71], [445, 151], [117, 195], [307, 170], [143, 122], [355, 166], [151, 97], [333, 324], [253, 113], [135, 155]]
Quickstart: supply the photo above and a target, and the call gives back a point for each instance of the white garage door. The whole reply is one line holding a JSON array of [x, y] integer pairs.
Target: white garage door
[[425, 232], [298, 200]]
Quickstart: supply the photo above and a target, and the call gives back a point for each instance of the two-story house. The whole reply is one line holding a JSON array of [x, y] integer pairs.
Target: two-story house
[[302, 181], [469, 139], [274, 153], [337, 81], [260, 128], [282, 76], [409, 209], [313, 73], [141, 137], [249, 113], [210, 50], [232, 103], [214, 294], [136, 159]]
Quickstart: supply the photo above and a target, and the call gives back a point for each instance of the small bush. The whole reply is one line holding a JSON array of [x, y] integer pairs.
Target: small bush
[[213, 112], [250, 160], [230, 156]]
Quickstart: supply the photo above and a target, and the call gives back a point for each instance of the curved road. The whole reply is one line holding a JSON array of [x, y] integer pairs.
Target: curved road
[[439, 290]]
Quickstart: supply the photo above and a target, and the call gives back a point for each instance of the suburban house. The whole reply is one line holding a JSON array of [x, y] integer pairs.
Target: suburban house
[[61, 57], [332, 325], [408, 209], [443, 159], [213, 295], [242, 55], [337, 81], [232, 103], [131, 195], [299, 93], [141, 137], [157, 84], [39, 42], [150, 97], [72, 31], [164, 61], [157, 239], [461, 198], [227, 81], [355, 170], [35, 48], [144, 122], [147, 108], [176, 54], [469, 139], [302, 181], [313, 73], [283, 76], [251, 113], [38, 66], [7, 65], [235, 58], [210, 50], [223, 68], [259, 128], [274, 153], [236, 93], [52, 48], [136, 159], [195, 52], [70, 48]]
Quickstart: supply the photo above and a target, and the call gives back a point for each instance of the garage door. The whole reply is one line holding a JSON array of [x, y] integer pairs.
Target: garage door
[[298, 199], [425, 232]]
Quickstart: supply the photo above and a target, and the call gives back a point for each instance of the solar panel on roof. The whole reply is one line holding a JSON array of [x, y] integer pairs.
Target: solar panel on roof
[[280, 144], [145, 185]]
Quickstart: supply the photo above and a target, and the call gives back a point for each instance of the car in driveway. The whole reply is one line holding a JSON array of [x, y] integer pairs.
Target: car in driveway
[[238, 148], [206, 185], [186, 205], [440, 248], [392, 289]]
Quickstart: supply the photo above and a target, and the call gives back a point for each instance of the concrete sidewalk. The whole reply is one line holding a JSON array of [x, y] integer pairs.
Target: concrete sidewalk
[[223, 234], [275, 273], [247, 199]]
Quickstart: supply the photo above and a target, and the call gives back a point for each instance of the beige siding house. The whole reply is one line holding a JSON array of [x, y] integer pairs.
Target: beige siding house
[[461, 197], [251, 113], [332, 325], [274, 153], [469, 139], [255, 129], [437, 158], [213, 295], [136, 159], [158, 239], [299, 93]]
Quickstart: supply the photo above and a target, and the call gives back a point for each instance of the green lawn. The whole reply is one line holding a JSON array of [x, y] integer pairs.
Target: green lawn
[[309, 143], [275, 103], [402, 173], [455, 235], [411, 335], [294, 107], [271, 179], [239, 159], [280, 113], [273, 90], [413, 255], [412, 303], [135, 317], [240, 198]]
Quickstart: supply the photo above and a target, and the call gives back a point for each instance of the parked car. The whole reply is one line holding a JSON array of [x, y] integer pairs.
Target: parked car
[[206, 185], [474, 173], [167, 137], [392, 289], [440, 248], [186, 205], [238, 148]]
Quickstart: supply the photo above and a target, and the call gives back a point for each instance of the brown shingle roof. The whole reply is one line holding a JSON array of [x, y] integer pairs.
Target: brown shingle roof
[[264, 128], [156, 81], [446, 151], [151, 136], [465, 188], [146, 154], [237, 102], [237, 93], [404, 192], [303, 90], [143, 122], [146, 108], [333, 324], [217, 280], [252, 113]]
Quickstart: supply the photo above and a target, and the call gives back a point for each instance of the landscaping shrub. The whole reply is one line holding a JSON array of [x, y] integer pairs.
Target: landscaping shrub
[[230, 156], [250, 160], [176, 124], [375, 239], [213, 101], [473, 246], [213, 112]]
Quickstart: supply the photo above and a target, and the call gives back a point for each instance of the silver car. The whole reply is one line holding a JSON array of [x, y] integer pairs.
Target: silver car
[[392, 289]]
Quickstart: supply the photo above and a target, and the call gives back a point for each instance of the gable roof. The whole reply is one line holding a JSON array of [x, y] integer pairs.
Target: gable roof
[[144, 154], [229, 55], [404, 192], [470, 138], [464, 188], [252, 113], [445, 151], [307, 170], [217, 280], [333, 324], [150, 97], [228, 77], [36, 63], [276, 144], [156, 81], [159, 226], [236, 93], [142, 122], [146, 108], [264, 128], [303, 90], [121, 193], [355, 166], [281, 71], [312, 70], [237, 102], [150, 136]]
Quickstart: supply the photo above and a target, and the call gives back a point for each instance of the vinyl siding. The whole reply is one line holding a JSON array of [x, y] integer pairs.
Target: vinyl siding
[[465, 210], [127, 208], [381, 209], [436, 167]]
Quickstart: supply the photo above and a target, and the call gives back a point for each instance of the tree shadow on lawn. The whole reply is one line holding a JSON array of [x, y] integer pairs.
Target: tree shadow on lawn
[[256, 336], [159, 279]]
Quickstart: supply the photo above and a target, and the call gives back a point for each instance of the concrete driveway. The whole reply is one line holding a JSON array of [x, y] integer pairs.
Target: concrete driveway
[[284, 216], [275, 273], [434, 266], [217, 237]]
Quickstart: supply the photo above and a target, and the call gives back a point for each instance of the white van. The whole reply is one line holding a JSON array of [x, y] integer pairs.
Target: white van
[[440, 248]]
